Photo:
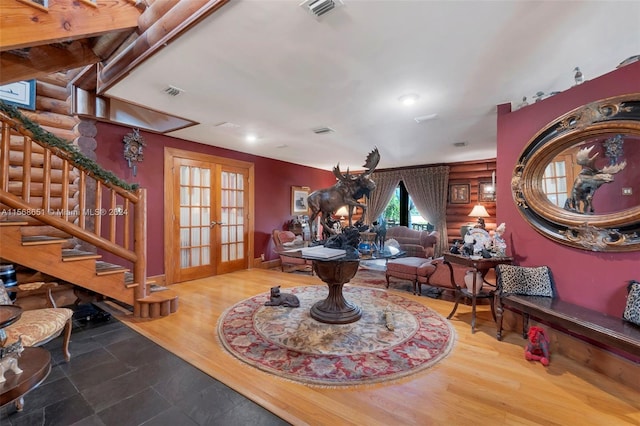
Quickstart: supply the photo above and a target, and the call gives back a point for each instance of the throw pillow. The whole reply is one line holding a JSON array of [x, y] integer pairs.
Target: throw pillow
[[4, 296], [530, 281], [632, 310]]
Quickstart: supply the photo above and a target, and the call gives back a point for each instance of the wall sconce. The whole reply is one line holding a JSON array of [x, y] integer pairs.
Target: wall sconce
[[480, 212], [133, 144]]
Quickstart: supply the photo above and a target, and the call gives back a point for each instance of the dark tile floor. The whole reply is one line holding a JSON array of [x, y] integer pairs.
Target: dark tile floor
[[118, 377]]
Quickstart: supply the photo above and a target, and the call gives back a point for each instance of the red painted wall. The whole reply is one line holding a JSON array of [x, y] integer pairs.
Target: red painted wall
[[273, 181], [591, 279]]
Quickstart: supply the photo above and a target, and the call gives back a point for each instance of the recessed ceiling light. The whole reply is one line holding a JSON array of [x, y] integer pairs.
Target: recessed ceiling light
[[251, 138], [409, 98]]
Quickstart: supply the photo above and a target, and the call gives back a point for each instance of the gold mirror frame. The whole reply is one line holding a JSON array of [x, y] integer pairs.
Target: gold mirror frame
[[617, 231]]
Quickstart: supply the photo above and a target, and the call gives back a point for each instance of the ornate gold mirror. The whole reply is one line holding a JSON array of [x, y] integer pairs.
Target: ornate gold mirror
[[577, 181]]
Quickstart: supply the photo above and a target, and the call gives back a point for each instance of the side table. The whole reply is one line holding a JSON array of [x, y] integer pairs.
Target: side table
[[36, 365], [482, 266]]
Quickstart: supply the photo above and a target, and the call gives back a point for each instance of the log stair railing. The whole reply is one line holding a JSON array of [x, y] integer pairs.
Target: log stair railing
[[75, 205]]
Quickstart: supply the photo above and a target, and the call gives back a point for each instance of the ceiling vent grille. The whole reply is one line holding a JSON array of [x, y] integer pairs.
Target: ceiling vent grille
[[460, 144], [424, 118], [323, 130], [173, 91], [227, 125], [320, 7]]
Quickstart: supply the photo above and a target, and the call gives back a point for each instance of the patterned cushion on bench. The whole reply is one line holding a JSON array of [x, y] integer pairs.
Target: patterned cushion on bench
[[530, 281], [632, 310]]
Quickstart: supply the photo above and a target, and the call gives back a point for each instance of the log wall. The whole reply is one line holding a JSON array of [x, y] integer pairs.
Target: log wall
[[53, 113], [473, 173]]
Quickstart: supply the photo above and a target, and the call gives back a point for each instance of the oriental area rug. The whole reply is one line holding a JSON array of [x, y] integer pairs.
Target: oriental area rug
[[288, 343]]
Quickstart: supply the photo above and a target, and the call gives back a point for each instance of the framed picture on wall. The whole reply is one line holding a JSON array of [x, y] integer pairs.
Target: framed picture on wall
[[21, 94], [299, 204], [486, 192], [459, 193]]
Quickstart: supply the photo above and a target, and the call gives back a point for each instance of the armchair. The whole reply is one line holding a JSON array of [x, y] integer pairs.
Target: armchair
[[289, 263], [38, 326]]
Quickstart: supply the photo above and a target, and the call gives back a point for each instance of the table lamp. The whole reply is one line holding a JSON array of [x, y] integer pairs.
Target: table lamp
[[480, 212]]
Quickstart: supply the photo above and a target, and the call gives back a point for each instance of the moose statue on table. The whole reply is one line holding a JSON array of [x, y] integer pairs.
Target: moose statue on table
[[346, 192]]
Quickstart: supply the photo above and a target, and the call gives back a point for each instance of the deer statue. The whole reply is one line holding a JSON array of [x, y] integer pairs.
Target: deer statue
[[346, 192], [589, 180]]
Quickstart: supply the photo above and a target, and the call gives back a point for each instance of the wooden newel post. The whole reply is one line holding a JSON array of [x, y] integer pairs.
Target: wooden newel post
[[140, 248]]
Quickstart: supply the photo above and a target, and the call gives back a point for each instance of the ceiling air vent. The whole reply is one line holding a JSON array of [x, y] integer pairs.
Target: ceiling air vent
[[323, 130], [460, 144], [424, 118], [320, 7], [227, 125], [173, 91]]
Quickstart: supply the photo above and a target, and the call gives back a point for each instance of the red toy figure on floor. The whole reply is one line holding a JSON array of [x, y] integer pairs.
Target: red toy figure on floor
[[538, 347]]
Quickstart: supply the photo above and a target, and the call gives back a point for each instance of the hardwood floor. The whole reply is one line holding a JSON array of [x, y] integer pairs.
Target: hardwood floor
[[482, 380]]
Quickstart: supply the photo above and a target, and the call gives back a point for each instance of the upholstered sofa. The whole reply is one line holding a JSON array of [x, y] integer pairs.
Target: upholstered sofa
[[415, 243]]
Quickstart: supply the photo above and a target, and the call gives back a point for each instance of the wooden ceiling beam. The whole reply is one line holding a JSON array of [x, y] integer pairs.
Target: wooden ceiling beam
[[43, 60], [65, 20]]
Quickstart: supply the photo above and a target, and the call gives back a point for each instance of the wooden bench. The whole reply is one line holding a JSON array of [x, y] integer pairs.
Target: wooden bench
[[598, 328]]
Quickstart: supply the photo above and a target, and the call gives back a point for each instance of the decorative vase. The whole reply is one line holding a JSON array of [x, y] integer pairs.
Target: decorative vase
[[468, 280]]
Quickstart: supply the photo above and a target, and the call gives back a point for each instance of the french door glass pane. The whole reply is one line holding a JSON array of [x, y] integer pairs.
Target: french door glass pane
[[232, 213], [195, 216]]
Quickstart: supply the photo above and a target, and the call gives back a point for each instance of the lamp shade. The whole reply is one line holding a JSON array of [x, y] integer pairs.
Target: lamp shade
[[342, 212], [479, 211]]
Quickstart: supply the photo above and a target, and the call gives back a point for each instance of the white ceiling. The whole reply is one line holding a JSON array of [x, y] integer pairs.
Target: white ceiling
[[277, 71]]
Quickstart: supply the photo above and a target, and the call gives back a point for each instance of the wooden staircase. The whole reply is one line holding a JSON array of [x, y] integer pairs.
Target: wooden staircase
[[41, 223]]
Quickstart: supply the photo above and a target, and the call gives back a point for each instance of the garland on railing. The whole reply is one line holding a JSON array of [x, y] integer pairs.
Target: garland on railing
[[50, 140]]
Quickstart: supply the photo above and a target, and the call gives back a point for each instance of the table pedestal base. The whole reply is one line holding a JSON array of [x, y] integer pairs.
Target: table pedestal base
[[335, 309]]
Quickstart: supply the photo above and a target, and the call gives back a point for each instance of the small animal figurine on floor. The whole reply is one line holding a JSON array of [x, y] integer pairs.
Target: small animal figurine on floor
[[282, 299], [9, 360], [538, 347]]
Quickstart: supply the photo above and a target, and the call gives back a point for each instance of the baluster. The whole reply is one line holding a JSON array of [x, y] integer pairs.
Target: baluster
[[65, 190], [26, 169], [82, 199], [127, 224], [4, 157], [97, 217], [46, 181], [112, 217]]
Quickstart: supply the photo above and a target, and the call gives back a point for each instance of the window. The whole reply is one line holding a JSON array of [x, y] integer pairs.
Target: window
[[402, 211], [554, 181]]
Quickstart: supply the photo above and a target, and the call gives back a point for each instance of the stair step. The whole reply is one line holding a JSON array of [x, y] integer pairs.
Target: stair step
[[70, 255], [13, 223], [105, 268], [128, 280], [159, 304], [37, 240]]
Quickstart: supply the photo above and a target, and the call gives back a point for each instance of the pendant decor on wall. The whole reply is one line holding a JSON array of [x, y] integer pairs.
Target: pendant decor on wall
[[133, 145]]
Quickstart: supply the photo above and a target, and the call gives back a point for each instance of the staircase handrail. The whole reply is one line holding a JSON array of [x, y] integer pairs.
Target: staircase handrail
[[134, 197]]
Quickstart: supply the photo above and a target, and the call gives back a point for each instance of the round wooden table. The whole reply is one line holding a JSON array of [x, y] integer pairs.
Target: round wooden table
[[36, 365]]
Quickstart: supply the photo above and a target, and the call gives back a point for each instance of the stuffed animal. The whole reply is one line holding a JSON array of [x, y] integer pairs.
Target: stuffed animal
[[538, 347]]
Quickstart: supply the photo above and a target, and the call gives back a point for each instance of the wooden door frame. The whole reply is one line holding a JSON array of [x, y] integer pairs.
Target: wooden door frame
[[169, 155]]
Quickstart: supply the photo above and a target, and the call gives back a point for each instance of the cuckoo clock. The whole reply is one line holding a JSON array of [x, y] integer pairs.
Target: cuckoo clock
[[133, 144]]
